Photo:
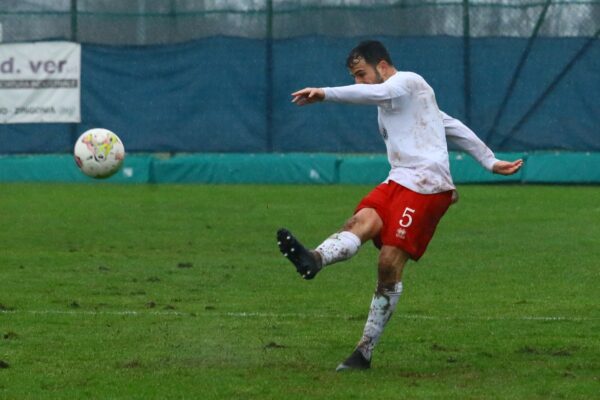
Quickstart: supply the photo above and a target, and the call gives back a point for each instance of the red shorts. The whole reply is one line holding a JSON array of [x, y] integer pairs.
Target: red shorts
[[409, 218]]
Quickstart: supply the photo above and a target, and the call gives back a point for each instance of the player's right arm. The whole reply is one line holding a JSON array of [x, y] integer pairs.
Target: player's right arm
[[308, 96], [368, 94]]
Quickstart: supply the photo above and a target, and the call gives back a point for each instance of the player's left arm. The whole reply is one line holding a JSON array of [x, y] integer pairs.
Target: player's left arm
[[507, 167], [463, 137]]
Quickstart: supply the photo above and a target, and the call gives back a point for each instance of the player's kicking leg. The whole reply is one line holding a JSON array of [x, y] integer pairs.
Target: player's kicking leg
[[308, 263], [389, 288], [340, 246]]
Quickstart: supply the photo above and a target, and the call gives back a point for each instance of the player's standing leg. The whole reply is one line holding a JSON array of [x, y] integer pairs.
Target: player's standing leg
[[389, 288]]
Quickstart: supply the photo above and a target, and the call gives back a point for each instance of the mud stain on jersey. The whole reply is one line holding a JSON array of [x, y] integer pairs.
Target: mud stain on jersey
[[421, 180]]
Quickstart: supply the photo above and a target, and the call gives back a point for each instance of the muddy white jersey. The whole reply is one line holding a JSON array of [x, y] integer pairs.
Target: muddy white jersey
[[415, 131]]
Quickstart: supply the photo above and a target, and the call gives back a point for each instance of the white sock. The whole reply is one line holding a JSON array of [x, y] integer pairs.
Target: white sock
[[338, 247], [382, 307]]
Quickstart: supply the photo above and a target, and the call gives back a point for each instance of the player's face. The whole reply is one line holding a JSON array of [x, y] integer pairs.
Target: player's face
[[365, 73]]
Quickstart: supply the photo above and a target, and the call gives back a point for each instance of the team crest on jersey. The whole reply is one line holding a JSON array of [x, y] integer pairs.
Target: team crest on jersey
[[384, 134], [401, 233]]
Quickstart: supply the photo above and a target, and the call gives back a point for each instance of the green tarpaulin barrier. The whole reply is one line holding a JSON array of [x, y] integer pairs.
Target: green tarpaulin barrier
[[247, 168], [62, 168], [296, 168], [569, 168]]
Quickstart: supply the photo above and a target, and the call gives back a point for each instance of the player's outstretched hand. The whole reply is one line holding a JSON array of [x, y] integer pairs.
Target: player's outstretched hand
[[308, 96], [507, 167]]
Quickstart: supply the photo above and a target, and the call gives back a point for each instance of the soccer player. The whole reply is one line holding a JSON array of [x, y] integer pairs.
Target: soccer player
[[400, 215]]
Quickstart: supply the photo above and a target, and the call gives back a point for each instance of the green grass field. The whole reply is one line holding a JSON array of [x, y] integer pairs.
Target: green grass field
[[179, 292]]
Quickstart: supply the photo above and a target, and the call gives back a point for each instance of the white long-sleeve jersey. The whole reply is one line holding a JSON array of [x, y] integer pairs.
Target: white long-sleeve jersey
[[415, 131]]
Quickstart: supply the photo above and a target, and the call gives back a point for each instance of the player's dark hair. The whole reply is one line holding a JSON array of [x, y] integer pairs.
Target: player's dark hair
[[372, 51]]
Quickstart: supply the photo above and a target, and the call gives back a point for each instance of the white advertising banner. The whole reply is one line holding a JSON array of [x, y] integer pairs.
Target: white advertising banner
[[40, 82]]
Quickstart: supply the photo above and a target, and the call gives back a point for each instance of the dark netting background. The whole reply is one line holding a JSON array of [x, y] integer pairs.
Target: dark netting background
[[216, 75], [146, 22]]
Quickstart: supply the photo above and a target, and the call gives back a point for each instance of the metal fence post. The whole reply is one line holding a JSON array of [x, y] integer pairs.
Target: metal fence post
[[467, 60], [73, 20], [269, 77], [74, 128]]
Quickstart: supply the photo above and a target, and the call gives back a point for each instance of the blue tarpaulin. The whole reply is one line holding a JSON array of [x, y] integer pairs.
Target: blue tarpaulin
[[219, 94]]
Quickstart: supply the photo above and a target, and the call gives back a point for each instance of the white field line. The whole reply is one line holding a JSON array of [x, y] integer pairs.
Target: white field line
[[296, 315], [415, 316]]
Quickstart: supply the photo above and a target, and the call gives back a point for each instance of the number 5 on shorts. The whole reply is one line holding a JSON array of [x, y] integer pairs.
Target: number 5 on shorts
[[406, 219]]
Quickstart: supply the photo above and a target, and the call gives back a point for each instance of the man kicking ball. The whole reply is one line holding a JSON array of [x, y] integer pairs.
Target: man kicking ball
[[401, 214]]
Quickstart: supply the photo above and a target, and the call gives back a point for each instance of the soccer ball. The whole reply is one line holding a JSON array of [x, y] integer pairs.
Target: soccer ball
[[99, 153]]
